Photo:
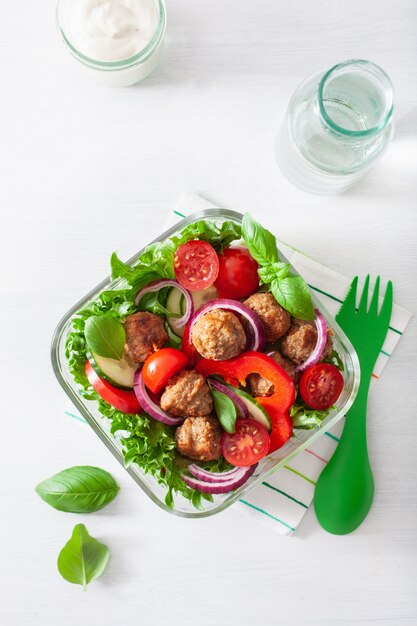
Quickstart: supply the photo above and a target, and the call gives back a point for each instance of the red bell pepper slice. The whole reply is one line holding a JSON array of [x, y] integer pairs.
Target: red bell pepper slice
[[235, 371], [121, 399]]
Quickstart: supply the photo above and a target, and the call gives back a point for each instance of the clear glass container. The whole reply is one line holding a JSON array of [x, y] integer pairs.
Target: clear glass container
[[338, 123], [116, 73], [300, 440]]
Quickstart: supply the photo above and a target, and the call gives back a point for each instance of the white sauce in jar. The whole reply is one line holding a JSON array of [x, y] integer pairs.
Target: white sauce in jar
[[111, 30]]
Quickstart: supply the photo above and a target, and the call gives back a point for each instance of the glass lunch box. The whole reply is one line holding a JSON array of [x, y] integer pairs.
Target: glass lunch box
[[300, 439]]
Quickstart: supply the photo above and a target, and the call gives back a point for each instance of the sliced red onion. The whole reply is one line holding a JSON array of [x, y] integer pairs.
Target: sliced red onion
[[256, 329], [150, 405], [160, 284], [216, 477], [220, 487], [237, 401], [320, 344]]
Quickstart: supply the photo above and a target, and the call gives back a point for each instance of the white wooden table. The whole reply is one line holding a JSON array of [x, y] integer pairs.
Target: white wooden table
[[86, 170]]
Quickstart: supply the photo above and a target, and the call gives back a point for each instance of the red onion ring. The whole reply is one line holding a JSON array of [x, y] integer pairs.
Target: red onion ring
[[160, 284], [320, 344], [257, 332], [238, 402], [215, 477], [233, 483], [150, 405]]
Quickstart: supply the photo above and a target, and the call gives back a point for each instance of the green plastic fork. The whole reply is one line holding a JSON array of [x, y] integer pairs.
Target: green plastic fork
[[345, 489]]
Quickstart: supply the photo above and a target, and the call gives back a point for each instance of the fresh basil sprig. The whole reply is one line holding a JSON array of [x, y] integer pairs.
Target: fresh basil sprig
[[105, 336], [83, 558], [289, 290], [80, 489], [225, 410]]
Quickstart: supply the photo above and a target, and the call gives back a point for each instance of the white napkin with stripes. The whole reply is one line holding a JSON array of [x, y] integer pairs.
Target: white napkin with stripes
[[282, 501]]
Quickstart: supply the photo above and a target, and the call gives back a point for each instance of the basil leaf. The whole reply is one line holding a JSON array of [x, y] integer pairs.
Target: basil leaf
[[83, 558], [261, 243], [225, 410], [292, 294], [269, 272], [80, 489], [105, 336]]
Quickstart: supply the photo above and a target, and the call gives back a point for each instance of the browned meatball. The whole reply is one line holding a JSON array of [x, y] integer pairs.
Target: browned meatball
[[145, 333], [260, 386], [275, 320], [199, 438], [187, 394], [300, 341], [218, 335]]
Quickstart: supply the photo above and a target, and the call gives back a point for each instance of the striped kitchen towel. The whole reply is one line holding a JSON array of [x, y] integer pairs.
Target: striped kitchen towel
[[283, 499]]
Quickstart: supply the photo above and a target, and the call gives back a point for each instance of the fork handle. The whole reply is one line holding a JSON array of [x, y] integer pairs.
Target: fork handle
[[355, 425]]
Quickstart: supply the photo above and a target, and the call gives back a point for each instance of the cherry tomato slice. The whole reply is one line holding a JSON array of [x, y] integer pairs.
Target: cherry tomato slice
[[238, 274], [247, 445], [161, 366], [196, 265], [321, 385], [120, 399]]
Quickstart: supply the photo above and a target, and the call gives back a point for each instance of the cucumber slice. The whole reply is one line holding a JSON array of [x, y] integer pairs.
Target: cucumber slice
[[175, 304], [256, 410], [119, 373], [203, 296]]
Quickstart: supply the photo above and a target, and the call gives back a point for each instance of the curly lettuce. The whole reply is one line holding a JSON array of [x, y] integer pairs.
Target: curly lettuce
[[145, 442]]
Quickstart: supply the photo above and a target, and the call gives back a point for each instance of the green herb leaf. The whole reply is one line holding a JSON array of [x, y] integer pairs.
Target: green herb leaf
[[273, 271], [105, 336], [260, 242], [83, 558], [292, 294], [80, 489], [335, 360], [225, 410]]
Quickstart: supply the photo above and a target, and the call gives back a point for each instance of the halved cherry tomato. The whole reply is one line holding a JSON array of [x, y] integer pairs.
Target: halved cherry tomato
[[238, 274], [247, 445], [187, 346], [321, 385], [161, 366], [196, 265], [120, 399]]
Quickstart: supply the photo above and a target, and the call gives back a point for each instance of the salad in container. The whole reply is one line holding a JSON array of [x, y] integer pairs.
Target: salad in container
[[205, 363]]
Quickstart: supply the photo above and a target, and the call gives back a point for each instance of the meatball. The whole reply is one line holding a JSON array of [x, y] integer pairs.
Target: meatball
[[199, 438], [187, 394], [260, 386], [145, 333], [275, 320], [300, 341], [218, 335]]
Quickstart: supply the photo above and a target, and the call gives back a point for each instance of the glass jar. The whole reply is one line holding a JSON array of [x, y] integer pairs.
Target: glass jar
[[337, 124], [121, 73]]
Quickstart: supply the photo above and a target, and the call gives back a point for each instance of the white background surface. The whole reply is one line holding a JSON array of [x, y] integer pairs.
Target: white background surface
[[86, 170]]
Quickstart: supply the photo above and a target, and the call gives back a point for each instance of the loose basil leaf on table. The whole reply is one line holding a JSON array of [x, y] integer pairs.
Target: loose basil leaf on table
[[225, 410], [289, 290], [80, 489], [105, 336], [83, 558]]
